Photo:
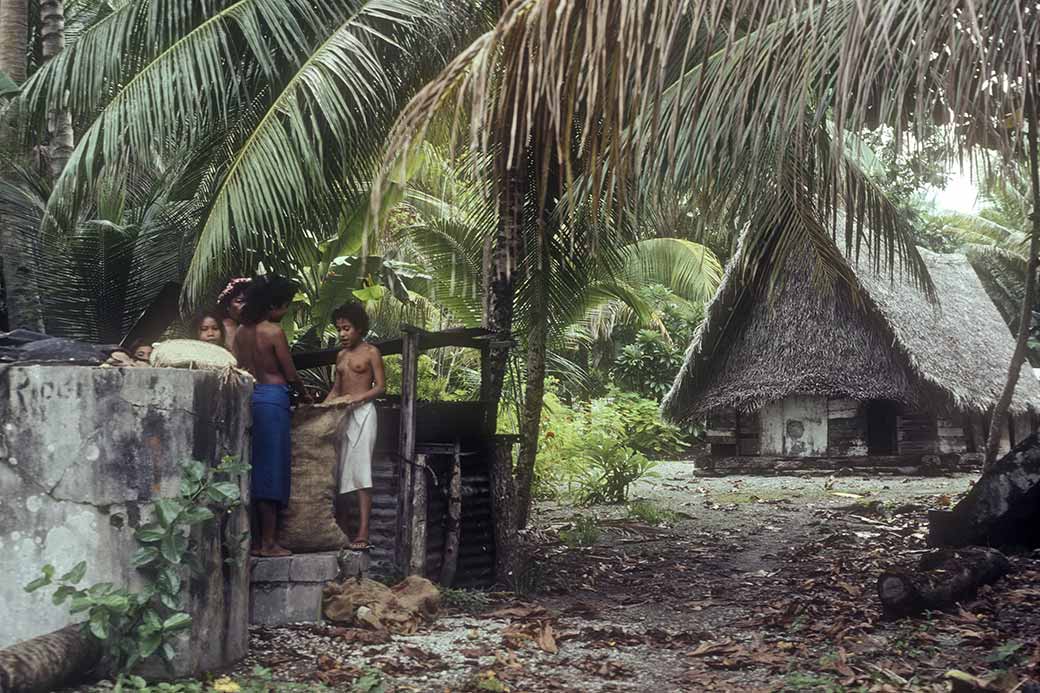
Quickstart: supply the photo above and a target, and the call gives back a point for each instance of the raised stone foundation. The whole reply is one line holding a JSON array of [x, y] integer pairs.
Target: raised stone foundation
[[84, 452], [288, 589]]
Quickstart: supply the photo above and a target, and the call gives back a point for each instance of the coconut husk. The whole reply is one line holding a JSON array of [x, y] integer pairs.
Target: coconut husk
[[398, 609]]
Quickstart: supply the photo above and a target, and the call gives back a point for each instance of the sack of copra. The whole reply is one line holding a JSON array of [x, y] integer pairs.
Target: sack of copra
[[308, 522], [191, 353]]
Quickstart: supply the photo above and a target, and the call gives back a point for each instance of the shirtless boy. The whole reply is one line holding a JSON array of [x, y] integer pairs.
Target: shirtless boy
[[262, 349], [359, 380]]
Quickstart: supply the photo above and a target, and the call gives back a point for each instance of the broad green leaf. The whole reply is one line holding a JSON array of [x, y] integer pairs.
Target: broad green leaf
[[178, 621], [144, 556], [150, 643], [370, 293], [169, 581], [223, 492], [193, 471], [99, 624], [168, 652], [100, 589], [194, 516], [168, 509], [80, 604], [152, 622], [149, 534], [76, 574], [38, 583], [169, 601], [61, 594], [173, 546]]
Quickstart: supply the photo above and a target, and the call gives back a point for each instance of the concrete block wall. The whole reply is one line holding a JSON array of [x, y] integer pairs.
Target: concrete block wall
[[84, 452], [288, 589]]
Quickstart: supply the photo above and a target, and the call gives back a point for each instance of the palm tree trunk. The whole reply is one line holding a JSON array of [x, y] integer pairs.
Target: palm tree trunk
[[1000, 412], [500, 265], [59, 120], [20, 286], [14, 37], [534, 397]]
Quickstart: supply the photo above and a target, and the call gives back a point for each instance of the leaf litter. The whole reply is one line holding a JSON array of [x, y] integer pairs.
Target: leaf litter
[[773, 591]]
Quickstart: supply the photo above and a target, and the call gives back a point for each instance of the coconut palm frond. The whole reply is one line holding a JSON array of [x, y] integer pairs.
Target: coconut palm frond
[[322, 79]]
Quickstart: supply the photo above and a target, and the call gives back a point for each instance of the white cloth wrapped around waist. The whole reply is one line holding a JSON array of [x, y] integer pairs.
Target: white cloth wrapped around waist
[[356, 444]]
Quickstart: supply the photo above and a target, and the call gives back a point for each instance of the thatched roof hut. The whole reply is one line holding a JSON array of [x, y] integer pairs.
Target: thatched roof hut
[[883, 340]]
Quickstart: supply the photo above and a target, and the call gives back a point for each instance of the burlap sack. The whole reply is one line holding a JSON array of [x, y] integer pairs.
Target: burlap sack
[[398, 609], [308, 523], [191, 353]]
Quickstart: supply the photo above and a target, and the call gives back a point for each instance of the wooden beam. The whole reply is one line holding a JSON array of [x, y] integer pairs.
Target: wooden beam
[[467, 337], [454, 524], [406, 450], [417, 559]]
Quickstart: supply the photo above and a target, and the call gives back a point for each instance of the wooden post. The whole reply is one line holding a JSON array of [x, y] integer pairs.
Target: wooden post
[[406, 447], [503, 508], [417, 559], [451, 540]]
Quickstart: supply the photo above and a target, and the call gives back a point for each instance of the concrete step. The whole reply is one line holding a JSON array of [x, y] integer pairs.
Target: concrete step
[[288, 589]]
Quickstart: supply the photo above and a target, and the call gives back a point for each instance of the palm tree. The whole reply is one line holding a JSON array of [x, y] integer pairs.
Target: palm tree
[[996, 242], [59, 121], [14, 39], [565, 274], [300, 92], [746, 103], [22, 294]]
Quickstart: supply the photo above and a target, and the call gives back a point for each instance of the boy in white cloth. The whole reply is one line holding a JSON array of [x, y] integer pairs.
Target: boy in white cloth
[[359, 380]]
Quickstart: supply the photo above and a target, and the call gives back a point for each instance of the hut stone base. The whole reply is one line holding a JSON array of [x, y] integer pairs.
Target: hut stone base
[[874, 464]]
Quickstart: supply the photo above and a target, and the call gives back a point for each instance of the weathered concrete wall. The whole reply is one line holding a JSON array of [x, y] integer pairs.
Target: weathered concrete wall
[[83, 453], [795, 427]]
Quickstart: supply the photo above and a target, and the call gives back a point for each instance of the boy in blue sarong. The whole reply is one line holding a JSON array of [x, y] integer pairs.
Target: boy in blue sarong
[[262, 349]]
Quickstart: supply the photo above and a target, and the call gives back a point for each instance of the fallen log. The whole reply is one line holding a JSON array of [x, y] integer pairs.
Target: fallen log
[[48, 662], [1002, 509], [942, 579]]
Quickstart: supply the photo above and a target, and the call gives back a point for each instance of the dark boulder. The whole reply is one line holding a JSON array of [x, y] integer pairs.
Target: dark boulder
[[1002, 509]]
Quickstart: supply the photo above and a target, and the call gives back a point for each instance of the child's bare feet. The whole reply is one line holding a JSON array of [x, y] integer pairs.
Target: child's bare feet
[[359, 544]]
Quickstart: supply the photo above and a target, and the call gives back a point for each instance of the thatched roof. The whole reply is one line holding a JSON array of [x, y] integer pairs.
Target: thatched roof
[[891, 343]]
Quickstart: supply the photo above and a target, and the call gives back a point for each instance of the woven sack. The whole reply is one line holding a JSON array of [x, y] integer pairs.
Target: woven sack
[[191, 353], [308, 522]]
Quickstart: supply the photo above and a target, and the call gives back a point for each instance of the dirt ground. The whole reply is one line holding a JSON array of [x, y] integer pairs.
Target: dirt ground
[[721, 584]]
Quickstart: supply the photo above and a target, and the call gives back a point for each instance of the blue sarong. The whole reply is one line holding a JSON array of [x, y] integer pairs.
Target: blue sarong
[[271, 447]]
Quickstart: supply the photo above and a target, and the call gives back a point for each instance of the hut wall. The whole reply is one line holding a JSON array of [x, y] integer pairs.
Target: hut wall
[[916, 434], [749, 429], [846, 428], [795, 427], [722, 432], [950, 434]]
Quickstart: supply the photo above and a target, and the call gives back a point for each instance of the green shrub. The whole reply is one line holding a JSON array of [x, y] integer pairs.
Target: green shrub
[[583, 532], [648, 365], [430, 388], [643, 428], [607, 469], [650, 513], [586, 453]]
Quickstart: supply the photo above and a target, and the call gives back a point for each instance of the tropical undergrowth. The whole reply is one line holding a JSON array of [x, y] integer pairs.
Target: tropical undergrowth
[[593, 452], [133, 625]]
